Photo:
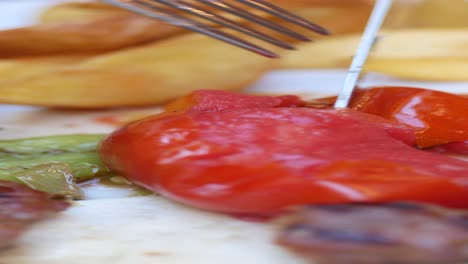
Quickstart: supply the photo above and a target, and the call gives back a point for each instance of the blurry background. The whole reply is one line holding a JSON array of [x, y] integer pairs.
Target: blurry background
[[74, 50]]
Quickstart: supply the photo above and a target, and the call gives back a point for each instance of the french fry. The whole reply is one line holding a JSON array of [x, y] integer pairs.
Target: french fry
[[336, 18], [335, 14], [72, 11], [297, 4], [439, 69], [76, 28], [87, 36], [78, 11], [144, 75], [400, 45], [15, 69], [431, 14]]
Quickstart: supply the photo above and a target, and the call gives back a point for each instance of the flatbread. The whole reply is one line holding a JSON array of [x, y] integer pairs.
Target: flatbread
[[146, 230]]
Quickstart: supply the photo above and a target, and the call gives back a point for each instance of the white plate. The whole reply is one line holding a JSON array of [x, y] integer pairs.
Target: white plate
[[151, 229]]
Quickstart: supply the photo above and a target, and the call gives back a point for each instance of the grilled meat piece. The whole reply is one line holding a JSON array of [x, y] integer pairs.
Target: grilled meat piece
[[20, 207], [396, 233]]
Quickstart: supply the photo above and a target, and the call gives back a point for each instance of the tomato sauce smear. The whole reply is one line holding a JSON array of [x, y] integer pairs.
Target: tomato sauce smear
[[259, 160]]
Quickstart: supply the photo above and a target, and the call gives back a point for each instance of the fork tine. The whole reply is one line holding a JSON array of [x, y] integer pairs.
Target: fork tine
[[222, 5], [174, 19], [284, 14], [210, 16]]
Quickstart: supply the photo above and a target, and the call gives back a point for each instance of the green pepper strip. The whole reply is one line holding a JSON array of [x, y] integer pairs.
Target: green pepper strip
[[52, 163]]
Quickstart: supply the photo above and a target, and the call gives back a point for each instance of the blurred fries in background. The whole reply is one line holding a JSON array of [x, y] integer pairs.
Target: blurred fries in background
[[97, 35], [78, 11], [402, 53], [144, 75], [429, 14], [92, 55]]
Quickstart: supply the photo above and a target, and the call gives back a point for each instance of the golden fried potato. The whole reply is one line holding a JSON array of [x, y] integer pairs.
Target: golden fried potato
[[76, 28], [15, 69], [77, 11], [436, 13], [333, 14], [426, 69], [297, 4], [87, 36], [408, 44], [430, 14], [337, 18], [144, 75]]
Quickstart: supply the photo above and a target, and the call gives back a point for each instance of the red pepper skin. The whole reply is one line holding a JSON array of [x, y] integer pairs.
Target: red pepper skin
[[259, 160], [437, 117], [214, 100], [460, 148]]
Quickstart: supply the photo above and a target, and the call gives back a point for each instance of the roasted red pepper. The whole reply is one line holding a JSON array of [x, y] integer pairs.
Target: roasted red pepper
[[437, 117], [213, 100], [460, 148], [256, 160]]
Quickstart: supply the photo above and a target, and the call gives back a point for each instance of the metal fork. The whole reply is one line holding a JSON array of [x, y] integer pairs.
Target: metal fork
[[167, 11]]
